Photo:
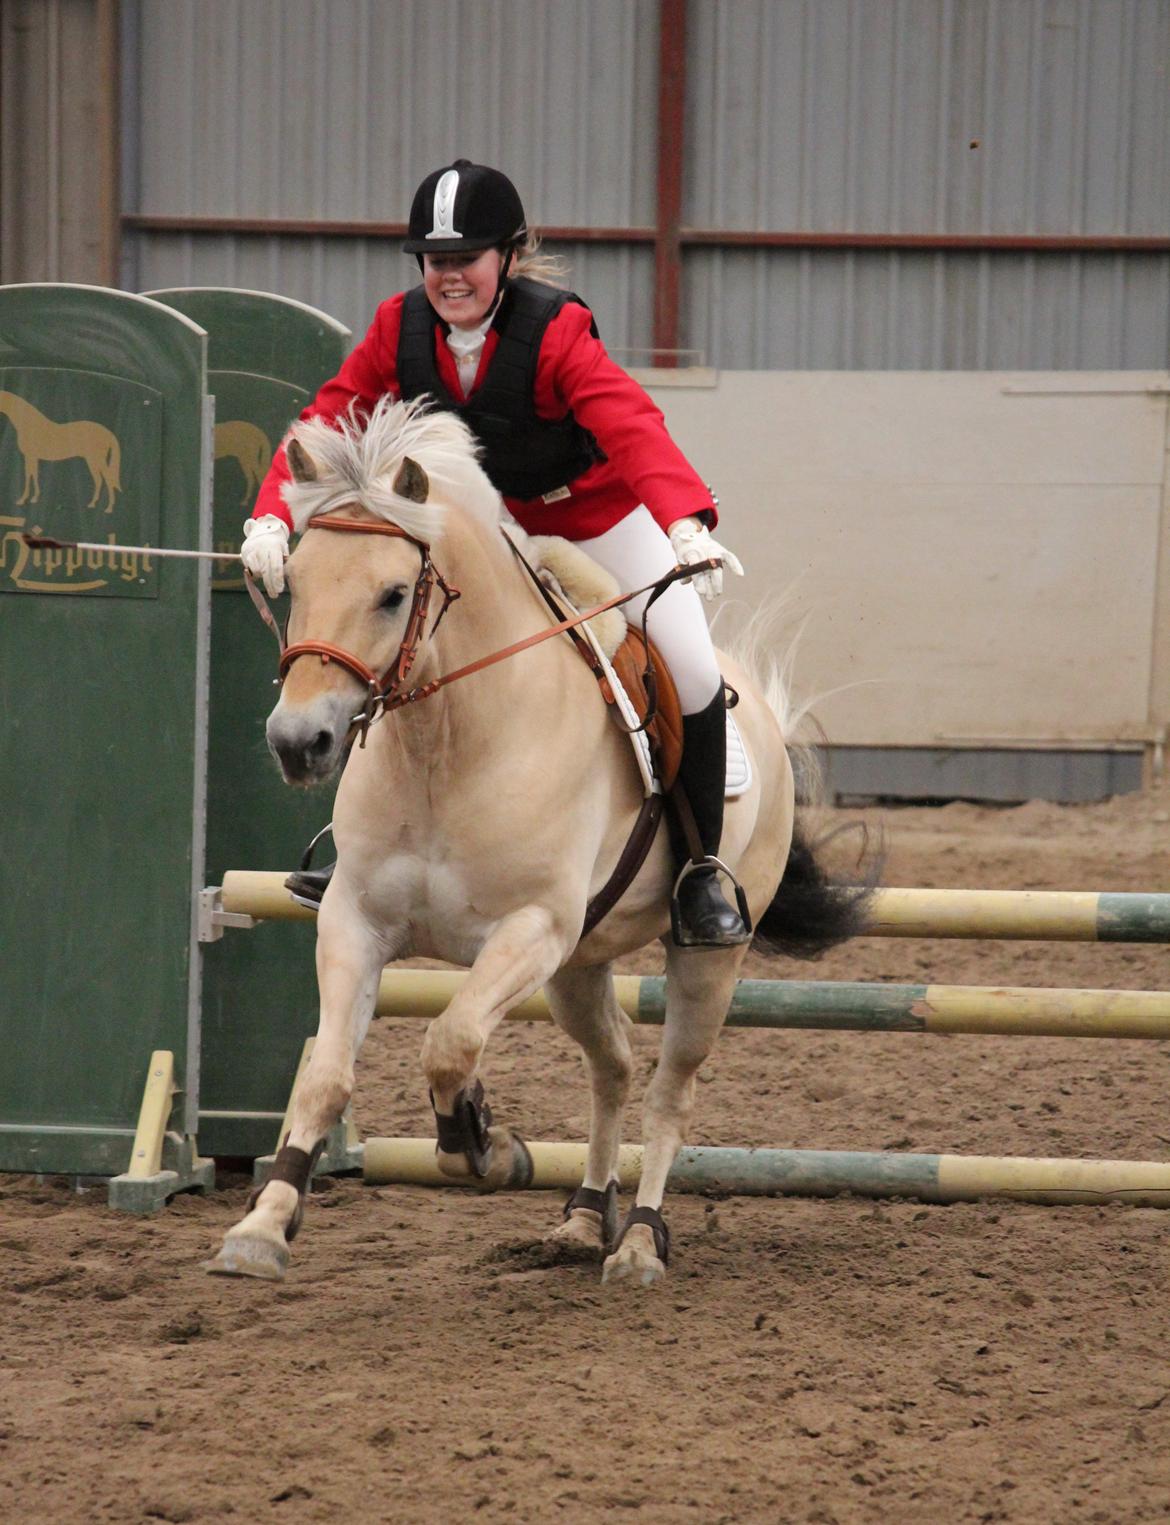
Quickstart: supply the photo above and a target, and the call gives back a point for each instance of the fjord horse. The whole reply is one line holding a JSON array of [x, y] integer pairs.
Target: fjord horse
[[475, 824]]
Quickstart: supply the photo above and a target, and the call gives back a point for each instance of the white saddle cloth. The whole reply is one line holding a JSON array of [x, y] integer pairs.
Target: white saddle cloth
[[739, 765]]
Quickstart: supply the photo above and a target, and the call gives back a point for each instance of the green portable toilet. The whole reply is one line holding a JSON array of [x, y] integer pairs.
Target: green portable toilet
[[103, 667], [266, 358]]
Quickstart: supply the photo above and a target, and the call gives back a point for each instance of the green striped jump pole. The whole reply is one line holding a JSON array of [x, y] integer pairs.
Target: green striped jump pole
[[1043, 915], [843, 1006], [817, 1173]]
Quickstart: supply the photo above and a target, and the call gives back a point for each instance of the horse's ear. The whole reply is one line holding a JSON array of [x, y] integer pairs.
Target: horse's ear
[[300, 462], [412, 482]]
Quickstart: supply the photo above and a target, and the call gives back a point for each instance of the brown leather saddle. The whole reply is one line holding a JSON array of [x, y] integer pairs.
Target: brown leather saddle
[[647, 680]]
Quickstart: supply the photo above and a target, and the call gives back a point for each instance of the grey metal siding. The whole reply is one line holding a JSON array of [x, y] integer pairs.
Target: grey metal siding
[[961, 116], [298, 108], [929, 116], [886, 310], [347, 278], [964, 117]]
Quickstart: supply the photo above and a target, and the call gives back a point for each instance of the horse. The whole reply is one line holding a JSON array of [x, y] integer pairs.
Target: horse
[[474, 825], [41, 439]]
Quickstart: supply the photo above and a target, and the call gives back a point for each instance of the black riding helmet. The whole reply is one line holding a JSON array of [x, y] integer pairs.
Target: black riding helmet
[[463, 209]]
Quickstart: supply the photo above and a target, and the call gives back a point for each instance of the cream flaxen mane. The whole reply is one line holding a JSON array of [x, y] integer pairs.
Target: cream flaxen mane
[[358, 463]]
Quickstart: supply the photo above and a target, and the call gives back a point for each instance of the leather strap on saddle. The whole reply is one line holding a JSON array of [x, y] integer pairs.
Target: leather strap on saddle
[[651, 689], [625, 871]]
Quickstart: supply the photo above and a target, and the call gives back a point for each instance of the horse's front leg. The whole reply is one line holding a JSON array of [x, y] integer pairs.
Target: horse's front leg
[[517, 958], [699, 987], [350, 959]]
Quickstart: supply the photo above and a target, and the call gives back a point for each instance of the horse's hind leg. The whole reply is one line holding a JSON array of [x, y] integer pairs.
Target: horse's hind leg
[[699, 986], [523, 951], [585, 1007], [350, 960]]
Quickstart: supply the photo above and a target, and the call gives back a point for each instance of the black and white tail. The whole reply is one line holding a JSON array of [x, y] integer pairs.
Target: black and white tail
[[811, 911]]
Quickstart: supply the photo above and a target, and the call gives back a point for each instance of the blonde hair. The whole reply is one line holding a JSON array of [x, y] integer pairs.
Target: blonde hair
[[530, 260]]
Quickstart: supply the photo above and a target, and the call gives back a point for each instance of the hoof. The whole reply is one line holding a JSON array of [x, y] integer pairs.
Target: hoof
[[454, 1165], [509, 1164], [635, 1260], [250, 1255], [579, 1238]]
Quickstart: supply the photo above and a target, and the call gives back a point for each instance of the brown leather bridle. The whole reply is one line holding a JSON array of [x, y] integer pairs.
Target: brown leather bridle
[[381, 692], [390, 691]]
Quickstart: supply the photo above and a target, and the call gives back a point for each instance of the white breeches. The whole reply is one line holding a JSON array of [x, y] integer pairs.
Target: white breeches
[[636, 551]]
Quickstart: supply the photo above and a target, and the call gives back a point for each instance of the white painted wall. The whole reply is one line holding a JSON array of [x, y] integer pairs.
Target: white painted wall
[[982, 558]]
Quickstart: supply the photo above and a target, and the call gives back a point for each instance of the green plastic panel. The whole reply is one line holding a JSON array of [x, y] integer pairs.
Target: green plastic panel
[[266, 359], [102, 729]]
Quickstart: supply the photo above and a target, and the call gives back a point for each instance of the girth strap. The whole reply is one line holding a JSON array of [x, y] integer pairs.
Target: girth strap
[[625, 871]]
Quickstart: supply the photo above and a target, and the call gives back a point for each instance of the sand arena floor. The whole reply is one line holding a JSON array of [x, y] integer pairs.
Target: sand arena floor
[[839, 1361]]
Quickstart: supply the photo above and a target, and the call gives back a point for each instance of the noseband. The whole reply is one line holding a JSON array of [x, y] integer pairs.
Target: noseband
[[380, 692], [390, 691]]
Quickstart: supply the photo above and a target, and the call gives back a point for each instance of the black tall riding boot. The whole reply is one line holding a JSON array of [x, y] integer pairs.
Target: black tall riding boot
[[707, 920]]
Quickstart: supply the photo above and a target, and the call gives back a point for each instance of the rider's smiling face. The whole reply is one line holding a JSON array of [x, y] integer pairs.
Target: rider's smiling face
[[462, 287]]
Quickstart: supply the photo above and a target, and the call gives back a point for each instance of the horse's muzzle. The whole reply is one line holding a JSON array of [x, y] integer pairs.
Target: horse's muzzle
[[308, 741]]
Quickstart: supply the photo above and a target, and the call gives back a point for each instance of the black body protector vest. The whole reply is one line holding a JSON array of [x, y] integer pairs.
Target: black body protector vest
[[524, 456]]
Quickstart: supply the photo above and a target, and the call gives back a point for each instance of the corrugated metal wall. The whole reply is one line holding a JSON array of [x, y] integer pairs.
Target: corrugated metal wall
[[880, 116], [929, 116], [302, 108]]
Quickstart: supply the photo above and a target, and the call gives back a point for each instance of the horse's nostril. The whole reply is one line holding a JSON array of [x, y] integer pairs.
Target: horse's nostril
[[321, 744]]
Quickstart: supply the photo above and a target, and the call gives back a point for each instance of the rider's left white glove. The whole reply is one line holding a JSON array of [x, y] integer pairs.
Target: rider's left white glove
[[692, 541], [265, 551]]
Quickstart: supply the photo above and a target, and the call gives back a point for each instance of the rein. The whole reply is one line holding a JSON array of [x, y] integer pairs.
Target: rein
[[390, 692], [380, 692]]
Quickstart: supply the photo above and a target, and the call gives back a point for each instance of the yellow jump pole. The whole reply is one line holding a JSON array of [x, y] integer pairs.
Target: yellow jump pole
[[844, 1006], [1044, 915], [818, 1173]]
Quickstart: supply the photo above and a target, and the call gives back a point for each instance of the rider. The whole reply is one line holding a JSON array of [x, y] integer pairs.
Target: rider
[[573, 444]]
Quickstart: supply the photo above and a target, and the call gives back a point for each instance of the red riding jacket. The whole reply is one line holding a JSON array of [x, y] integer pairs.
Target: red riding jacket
[[574, 373]]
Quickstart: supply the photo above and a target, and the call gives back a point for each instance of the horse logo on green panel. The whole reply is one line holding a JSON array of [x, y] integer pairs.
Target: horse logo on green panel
[[238, 440], [39, 438]]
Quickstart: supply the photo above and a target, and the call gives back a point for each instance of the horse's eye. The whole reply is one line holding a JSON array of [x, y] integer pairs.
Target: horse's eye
[[392, 598]]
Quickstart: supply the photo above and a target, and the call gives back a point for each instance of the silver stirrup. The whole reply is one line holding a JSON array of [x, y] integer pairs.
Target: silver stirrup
[[690, 867]]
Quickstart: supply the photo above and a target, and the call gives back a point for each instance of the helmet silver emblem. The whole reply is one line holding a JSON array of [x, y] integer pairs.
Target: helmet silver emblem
[[444, 213]]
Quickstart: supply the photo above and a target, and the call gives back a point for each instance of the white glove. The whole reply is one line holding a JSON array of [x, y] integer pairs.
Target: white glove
[[692, 541], [265, 551]]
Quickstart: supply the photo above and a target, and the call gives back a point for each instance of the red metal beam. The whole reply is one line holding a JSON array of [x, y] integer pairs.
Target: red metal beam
[[109, 147], [672, 78], [728, 238], [978, 243], [316, 227]]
